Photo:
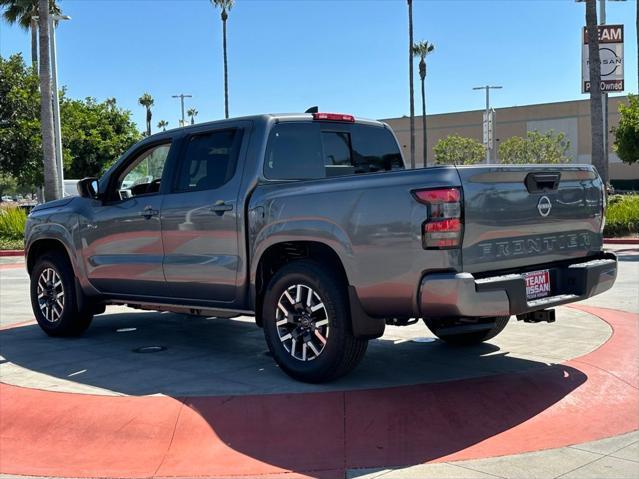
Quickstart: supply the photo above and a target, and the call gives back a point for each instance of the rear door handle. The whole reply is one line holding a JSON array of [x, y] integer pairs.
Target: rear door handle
[[149, 212], [220, 207]]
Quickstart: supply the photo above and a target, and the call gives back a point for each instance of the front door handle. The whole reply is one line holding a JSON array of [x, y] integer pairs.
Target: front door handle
[[220, 207], [149, 212]]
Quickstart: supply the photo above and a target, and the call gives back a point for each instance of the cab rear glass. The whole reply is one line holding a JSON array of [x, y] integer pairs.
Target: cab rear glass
[[312, 150]]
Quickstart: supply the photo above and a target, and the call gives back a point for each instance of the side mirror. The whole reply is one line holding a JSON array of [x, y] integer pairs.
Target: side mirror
[[88, 187]]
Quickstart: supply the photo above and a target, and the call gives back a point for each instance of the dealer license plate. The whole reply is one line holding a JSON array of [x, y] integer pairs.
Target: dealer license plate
[[537, 284]]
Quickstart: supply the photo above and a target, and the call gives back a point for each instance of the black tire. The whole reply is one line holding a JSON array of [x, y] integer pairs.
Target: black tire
[[470, 339], [341, 351], [65, 320]]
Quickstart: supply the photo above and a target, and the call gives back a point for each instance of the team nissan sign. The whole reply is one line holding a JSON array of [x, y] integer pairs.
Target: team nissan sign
[[611, 55]]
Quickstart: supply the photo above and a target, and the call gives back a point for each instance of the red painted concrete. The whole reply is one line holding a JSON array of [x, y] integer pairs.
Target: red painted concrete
[[12, 266], [17, 325], [320, 435], [11, 252], [621, 240]]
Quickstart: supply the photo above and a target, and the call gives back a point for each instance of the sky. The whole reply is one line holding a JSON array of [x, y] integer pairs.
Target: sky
[[345, 56]]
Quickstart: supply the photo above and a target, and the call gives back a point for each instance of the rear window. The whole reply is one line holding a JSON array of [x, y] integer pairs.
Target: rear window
[[320, 150]]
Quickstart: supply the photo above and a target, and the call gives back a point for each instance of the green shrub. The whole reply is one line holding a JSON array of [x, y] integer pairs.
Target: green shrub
[[12, 222], [6, 243], [622, 215]]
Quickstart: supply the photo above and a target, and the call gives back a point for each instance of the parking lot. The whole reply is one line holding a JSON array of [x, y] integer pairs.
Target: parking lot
[[162, 394]]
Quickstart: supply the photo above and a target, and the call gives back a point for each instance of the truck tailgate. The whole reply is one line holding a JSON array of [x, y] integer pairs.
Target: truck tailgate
[[521, 216]]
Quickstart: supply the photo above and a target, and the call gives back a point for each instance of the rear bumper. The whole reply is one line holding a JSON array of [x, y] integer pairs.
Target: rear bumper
[[461, 294]]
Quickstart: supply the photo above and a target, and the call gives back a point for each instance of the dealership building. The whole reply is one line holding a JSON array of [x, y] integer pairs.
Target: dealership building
[[569, 117]]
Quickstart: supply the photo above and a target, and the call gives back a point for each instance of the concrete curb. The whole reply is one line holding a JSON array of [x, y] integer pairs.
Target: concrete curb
[[621, 240], [11, 252]]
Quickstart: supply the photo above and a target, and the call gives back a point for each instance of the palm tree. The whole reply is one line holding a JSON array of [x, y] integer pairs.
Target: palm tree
[[146, 101], [410, 83], [421, 50], [51, 179], [163, 124], [192, 112], [596, 106], [22, 13], [226, 6]]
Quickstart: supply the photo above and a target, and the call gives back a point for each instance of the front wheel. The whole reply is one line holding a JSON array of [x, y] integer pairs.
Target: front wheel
[[472, 338], [307, 323], [54, 297]]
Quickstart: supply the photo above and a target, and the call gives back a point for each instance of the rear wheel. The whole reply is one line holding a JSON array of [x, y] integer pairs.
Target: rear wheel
[[468, 339], [54, 297], [307, 323]]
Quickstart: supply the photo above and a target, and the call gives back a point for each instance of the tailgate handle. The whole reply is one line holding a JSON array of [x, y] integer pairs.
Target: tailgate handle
[[536, 182]]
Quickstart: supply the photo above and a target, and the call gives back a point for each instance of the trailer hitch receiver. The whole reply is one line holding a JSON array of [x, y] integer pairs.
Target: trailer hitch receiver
[[543, 316]]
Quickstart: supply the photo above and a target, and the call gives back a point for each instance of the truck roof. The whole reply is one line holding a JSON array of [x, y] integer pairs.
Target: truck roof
[[265, 117]]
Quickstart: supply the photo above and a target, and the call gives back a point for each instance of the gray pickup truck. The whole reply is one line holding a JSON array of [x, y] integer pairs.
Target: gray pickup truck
[[310, 223]]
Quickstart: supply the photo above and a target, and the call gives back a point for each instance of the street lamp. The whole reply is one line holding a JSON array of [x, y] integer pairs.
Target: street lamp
[[57, 128], [488, 120]]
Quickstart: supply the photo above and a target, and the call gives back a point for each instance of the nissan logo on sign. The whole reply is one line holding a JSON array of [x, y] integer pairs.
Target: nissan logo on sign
[[544, 206]]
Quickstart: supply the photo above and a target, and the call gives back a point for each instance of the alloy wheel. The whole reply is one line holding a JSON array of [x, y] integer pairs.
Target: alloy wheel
[[50, 295], [302, 322]]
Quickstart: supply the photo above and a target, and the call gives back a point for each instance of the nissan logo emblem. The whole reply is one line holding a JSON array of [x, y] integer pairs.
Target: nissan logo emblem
[[544, 206]]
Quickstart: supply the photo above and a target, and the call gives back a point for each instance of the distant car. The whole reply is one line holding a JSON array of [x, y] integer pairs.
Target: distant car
[[7, 198]]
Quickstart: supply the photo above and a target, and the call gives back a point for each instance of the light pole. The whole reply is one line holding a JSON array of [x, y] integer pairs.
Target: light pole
[[57, 127], [488, 120], [182, 96]]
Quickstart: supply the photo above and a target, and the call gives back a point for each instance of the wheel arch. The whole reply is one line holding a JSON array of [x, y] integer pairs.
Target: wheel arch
[[44, 245], [282, 253]]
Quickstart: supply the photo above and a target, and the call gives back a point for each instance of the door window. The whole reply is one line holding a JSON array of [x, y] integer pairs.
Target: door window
[[144, 174], [209, 161]]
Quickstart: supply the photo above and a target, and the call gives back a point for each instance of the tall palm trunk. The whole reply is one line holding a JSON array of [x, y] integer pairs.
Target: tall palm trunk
[[226, 74], [596, 106], [410, 83], [422, 75], [149, 116], [51, 180], [34, 44]]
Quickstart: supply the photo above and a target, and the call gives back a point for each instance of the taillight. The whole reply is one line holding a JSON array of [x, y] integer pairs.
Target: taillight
[[443, 228], [333, 117]]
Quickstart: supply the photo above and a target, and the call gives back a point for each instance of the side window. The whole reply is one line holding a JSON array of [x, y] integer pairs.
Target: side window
[[143, 175], [375, 149], [294, 152], [337, 153], [209, 160]]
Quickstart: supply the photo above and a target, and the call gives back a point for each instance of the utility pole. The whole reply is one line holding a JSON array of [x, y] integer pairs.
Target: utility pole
[[182, 96], [487, 118], [410, 84]]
